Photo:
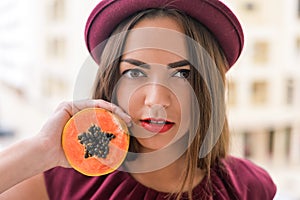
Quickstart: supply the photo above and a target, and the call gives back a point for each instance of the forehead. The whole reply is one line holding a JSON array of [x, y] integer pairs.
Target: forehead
[[162, 34]]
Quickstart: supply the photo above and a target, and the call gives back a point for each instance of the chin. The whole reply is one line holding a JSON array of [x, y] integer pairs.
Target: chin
[[150, 144]]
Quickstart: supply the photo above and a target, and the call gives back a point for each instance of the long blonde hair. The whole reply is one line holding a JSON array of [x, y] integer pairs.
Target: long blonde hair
[[206, 87]]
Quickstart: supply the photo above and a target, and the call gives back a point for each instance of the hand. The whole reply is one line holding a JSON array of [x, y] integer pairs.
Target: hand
[[51, 132]]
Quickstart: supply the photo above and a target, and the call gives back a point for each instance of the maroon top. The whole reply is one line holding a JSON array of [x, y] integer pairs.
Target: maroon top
[[243, 180]]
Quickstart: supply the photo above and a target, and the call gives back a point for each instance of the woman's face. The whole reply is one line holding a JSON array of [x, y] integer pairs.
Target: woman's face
[[153, 88]]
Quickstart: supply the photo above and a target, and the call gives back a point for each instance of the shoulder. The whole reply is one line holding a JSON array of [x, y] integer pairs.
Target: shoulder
[[66, 183], [250, 180], [62, 183]]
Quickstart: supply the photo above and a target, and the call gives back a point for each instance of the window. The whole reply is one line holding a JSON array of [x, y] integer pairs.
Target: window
[[56, 48], [271, 142], [57, 10], [288, 132], [289, 92], [298, 45], [232, 93], [54, 86], [298, 10], [247, 145], [249, 6], [259, 93], [261, 52]]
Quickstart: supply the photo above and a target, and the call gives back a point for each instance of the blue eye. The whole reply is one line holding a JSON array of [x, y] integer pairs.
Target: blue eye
[[183, 73], [133, 73]]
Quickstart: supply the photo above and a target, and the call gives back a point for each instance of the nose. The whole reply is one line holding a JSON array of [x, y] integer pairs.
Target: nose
[[156, 94]]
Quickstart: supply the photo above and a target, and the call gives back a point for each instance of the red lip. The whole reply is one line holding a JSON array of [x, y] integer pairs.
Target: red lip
[[156, 125]]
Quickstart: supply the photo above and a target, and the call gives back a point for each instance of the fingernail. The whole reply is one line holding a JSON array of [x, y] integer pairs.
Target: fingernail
[[127, 119], [129, 124]]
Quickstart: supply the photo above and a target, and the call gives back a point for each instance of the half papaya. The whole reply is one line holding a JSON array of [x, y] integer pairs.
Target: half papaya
[[95, 141]]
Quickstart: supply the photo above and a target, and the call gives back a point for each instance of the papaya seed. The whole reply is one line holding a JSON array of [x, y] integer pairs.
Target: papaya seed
[[95, 142]]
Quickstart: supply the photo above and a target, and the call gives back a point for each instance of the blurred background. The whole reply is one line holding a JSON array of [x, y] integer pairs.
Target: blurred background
[[42, 52]]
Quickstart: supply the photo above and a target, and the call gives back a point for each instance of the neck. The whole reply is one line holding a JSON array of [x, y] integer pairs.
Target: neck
[[169, 178]]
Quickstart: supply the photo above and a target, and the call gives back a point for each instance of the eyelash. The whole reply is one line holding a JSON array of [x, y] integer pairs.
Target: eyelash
[[187, 71], [129, 72]]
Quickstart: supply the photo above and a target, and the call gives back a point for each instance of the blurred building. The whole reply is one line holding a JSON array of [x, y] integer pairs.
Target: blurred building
[[264, 86], [42, 48], [264, 91], [42, 51]]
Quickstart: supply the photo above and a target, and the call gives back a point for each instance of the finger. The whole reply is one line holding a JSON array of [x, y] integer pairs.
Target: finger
[[114, 109], [72, 108]]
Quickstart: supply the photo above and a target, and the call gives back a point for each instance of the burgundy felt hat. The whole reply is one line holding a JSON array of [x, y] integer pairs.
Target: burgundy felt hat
[[213, 14]]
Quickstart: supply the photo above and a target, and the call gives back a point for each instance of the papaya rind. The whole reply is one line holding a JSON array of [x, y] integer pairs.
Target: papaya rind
[[117, 120]]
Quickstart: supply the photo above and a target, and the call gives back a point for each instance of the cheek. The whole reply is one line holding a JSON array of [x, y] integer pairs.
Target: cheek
[[122, 97], [185, 110], [183, 96], [129, 97]]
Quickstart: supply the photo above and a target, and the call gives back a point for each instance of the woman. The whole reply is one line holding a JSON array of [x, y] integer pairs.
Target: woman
[[162, 68]]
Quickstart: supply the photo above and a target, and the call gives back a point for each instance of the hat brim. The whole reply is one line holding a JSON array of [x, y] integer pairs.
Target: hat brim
[[213, 14]]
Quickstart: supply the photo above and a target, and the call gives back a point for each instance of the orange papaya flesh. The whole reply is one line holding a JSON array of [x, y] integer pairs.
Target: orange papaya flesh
[[95, 141]]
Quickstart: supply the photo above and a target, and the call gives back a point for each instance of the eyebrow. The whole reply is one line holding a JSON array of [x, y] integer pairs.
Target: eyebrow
[[180, 63], [136, 63], [142, 64]]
